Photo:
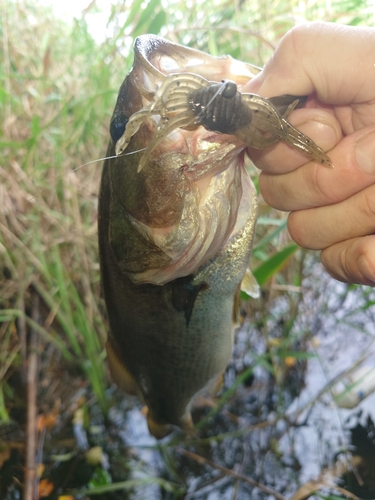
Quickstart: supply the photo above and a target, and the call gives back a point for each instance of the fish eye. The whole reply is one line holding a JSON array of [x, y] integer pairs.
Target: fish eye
[[230, 89], [117, 126]]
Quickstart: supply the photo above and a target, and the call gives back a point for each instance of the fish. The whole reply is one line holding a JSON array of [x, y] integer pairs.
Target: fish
[[177, 212]]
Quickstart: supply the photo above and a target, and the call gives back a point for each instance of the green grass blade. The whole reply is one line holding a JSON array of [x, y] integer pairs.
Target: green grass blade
[[131, 484], [272, 265]]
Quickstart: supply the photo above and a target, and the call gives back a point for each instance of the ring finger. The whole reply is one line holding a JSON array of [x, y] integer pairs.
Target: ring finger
[[321, 227]]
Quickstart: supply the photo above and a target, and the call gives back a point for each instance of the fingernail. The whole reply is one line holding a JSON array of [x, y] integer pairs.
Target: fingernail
[[365, 153]]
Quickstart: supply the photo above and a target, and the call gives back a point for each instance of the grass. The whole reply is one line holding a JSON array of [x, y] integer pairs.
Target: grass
[[54, 120], [58, 87]]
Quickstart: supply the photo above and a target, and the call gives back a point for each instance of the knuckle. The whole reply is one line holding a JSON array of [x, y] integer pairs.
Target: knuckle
[[318, 185], [368, 208], [267, 189], [300, 36], [333, 264], [336, 260], [345, 263], [352, 261], [297, 230], [366, 216], [296, 36], [366, 260], [259, 159]]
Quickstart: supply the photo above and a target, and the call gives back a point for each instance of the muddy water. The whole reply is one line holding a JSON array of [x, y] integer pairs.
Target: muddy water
[[307, 431]]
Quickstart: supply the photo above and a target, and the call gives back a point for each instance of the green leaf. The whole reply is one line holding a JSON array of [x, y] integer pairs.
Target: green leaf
[[35, 126], [158, 22], [100, 478], [274, 263], [297, 355], [134, 10], [271, 221], [132, 483], [270, 237], [147, 14], [212, 45]]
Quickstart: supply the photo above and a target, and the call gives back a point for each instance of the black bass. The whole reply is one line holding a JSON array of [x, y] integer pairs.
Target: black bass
[[176, 220]]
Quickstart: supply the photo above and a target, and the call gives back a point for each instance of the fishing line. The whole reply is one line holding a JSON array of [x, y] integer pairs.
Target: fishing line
[[29, 200], [103, 159]]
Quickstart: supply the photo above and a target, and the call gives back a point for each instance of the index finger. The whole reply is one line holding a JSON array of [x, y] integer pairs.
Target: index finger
[[312, 185], [325, 58], [319, 125]]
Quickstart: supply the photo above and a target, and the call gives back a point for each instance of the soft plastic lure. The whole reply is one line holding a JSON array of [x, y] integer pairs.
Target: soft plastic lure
[[187, 100]]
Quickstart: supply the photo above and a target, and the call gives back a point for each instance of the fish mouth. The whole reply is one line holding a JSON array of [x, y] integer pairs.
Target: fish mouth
[[160, 57], [156, 76]]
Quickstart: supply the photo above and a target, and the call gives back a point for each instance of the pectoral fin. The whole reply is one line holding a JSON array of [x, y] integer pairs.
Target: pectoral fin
[[185, 294], [219, 383], [157, 430], [250, 285], [120, 374]]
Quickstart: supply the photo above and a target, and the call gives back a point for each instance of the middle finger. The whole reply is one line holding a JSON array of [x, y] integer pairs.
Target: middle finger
[[319, 228], [312, 185]]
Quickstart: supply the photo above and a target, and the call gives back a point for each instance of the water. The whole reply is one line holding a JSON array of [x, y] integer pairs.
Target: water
[[280, 427]]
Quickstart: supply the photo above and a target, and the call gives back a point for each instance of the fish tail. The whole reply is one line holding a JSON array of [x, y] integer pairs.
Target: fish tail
[[156, 429]]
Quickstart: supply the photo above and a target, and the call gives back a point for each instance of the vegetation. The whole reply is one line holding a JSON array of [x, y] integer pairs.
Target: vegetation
[[58, 86]]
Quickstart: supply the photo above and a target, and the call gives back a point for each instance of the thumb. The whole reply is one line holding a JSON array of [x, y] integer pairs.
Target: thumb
[[334, 61]]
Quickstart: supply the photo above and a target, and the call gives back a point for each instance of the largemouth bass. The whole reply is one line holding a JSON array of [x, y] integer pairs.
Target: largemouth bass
[[177, 217]]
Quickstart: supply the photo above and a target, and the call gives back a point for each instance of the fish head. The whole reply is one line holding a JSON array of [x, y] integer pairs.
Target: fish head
[[189, 173]]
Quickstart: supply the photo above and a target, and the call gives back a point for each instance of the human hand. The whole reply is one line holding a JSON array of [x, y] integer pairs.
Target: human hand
[[332, 210]]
